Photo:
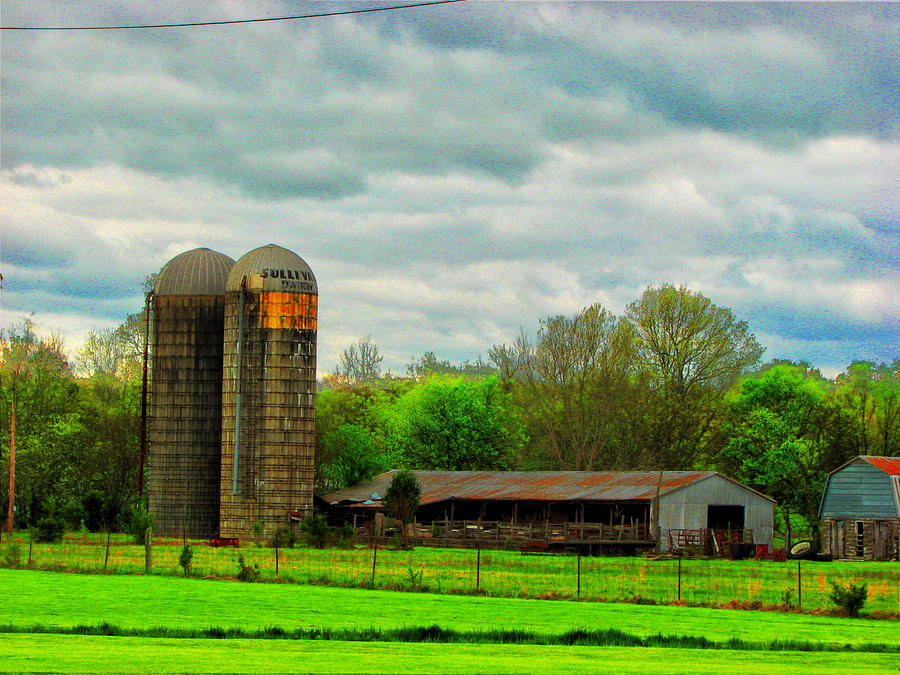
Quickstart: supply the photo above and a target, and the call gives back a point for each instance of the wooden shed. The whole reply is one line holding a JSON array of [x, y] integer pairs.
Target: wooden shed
[[860, 509]]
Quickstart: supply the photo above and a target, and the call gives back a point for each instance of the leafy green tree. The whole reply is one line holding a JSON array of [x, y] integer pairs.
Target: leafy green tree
[[111, 415], [784, 436], [186, 559], [109, 352], [76, 440], [101, 353], [352, 457], [870, 394], [401, 500], [49, 527], [365, 407], [455, 424], [690, 351], [37, 391], [428, 364], [316, 530]]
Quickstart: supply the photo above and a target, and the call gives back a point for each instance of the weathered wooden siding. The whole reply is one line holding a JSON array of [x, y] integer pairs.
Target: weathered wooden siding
[[184, 430], [687, 508], [863, 539], [859, 490]]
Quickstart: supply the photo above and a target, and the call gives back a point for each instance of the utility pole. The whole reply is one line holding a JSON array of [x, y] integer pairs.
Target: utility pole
[[142, 431], [20, 354], [12, 449], [12, 463]]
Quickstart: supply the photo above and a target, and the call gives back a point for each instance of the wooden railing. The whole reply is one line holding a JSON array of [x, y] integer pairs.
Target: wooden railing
[[711, 542], [482, 530]]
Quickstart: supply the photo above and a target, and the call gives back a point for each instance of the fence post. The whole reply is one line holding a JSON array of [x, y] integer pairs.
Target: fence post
[[478, 568], [679, 578], [276, 560], [148, 550], [578, 592], [30, 544], [374, 558], [106, 559], [799, 588]]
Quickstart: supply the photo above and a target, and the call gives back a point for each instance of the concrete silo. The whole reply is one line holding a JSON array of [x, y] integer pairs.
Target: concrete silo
[[185, 423], [269, 391]]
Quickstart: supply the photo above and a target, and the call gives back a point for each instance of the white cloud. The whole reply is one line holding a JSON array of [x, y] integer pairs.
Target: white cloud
[[454, 174]]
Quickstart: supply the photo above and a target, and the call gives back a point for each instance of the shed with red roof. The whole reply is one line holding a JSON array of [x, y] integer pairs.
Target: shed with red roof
[[860, 509]]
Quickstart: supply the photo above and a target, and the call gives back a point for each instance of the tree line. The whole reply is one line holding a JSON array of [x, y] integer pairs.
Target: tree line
[[674, 383], [75, 438]]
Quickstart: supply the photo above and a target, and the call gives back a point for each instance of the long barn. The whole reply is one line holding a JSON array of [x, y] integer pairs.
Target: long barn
[[602, 511]]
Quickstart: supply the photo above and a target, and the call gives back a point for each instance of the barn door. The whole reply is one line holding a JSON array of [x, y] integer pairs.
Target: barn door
[[879, 540], [724, 517], [837, 538]]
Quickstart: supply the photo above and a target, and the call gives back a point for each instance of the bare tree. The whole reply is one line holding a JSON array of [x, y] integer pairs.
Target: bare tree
[[116, 352], [360, 362], [567, 383], [101, 353]]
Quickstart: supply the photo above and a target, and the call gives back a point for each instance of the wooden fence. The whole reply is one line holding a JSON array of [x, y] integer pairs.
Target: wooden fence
[[464, 531]]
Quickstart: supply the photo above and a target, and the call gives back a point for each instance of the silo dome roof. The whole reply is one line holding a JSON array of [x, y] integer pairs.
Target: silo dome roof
[[200, 271], [272, 268]]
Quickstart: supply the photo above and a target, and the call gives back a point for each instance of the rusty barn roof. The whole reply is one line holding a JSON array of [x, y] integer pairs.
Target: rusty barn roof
[[890, 465], [555, 486]]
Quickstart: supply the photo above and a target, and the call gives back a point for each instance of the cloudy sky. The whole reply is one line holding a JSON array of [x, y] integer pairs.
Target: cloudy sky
[[453, 173]]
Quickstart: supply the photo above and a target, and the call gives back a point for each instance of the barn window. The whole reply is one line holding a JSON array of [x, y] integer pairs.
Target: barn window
[[860, 539]]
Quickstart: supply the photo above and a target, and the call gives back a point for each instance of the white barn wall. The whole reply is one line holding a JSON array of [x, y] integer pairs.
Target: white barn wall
[[686, 508]]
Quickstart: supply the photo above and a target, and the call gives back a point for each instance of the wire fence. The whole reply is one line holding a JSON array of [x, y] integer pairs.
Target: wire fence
[[711, 582]]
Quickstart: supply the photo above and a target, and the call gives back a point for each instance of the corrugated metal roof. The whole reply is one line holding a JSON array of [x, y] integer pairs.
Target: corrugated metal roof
[[272, 268], [200, 271], [556, 486], [895, 488], [864, 495], [890, 465]]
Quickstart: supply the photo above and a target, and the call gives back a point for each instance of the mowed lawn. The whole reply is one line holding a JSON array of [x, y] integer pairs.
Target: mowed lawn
[[52, 599], [64, 653], [134, 601]]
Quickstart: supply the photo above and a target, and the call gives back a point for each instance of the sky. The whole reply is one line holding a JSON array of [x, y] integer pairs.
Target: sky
[[454, 173]]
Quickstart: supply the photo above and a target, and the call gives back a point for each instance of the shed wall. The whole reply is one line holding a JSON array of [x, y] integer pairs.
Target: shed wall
[[859, 490], [687, 508], [862, 539]]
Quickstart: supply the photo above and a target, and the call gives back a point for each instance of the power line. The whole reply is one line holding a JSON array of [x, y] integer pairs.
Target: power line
[[233, 21]]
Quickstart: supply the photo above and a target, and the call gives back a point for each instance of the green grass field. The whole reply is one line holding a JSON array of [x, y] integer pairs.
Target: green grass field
[[30, 653], [56, 601], [502, 573]]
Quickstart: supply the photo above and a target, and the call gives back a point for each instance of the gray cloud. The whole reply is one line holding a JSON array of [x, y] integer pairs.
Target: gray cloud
[[453, 174]]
